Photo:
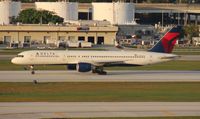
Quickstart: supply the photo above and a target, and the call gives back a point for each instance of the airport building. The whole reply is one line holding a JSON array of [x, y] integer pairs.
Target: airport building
[[84, 22], [95, 22], [21, 35]]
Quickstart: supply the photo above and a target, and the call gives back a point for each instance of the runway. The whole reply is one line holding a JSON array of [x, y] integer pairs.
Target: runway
[[6, 57], [113, 76], [35, 110], [190, 57]]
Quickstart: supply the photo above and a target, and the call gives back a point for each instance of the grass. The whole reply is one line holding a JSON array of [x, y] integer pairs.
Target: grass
[[100, 92], [187, 53], [172, 65], [12, 51]]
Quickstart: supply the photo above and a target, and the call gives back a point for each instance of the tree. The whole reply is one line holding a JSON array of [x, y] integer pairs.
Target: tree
[[191, 31], [32, 16], [31, 1]]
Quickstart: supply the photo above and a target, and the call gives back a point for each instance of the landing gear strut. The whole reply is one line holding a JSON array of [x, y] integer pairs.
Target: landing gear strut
[[99, 70], [32, 69]]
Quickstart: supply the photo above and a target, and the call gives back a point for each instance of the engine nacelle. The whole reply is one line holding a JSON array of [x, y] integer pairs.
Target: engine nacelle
[[71, 66], [84, 67]]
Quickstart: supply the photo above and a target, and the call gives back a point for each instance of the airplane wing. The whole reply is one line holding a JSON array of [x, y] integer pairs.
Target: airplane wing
[[104, 62]]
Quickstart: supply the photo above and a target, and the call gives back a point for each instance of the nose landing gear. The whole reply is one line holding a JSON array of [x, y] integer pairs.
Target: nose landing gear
[[32, 69]]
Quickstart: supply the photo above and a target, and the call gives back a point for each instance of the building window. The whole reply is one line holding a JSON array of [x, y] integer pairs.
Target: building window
[[81, 38], [27, 39], [100, 40], [85, 15], [91, 39], [62, 42], [7, 40], [27, 42]]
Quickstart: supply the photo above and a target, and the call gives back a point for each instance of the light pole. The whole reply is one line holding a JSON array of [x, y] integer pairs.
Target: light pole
[[162, 19], [178, 17]]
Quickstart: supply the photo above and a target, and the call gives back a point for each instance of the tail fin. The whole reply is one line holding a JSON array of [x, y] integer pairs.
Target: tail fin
[[167, 42]]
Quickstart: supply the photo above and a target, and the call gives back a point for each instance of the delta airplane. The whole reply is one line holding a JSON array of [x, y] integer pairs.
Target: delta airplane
[[95, 61]]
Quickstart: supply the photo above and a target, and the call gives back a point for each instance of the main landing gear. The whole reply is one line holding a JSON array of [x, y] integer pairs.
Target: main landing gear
[[99, 70]]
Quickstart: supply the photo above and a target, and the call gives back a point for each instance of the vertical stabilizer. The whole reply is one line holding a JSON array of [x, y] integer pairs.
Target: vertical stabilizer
[[167, 42]]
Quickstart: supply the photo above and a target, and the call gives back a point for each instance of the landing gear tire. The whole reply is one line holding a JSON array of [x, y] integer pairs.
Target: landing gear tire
[[32, 72], [94, 71], [35, 81], [102, 73]]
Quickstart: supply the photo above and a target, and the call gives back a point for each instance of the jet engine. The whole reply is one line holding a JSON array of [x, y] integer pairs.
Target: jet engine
[[71, 66], [83, 67]]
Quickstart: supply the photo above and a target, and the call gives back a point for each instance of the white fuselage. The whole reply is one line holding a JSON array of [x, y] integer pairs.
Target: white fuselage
[[97, 58]]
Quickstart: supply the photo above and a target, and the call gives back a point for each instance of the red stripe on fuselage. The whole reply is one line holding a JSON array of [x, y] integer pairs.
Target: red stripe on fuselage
[[167, 43]]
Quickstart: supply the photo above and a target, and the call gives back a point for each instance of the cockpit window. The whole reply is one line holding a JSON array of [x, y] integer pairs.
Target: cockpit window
[[20, 55]]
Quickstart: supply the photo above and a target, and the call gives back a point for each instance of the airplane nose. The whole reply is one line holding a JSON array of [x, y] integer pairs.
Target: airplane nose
[[13, 60]]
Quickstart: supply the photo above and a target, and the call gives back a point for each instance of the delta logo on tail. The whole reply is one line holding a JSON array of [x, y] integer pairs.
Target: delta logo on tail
[[168, 41]]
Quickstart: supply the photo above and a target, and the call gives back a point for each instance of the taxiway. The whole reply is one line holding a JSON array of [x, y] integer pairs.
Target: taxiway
[[36, 110]]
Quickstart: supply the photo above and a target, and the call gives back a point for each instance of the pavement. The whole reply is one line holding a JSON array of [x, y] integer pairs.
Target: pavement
[[6, 57], [190, 57], [113, 76], [36, 110]]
